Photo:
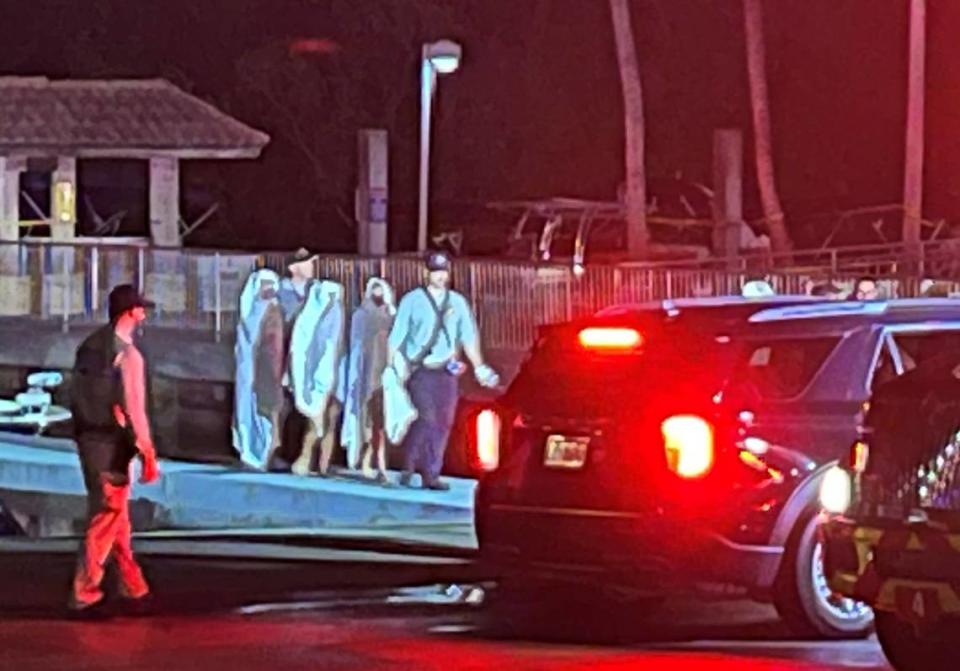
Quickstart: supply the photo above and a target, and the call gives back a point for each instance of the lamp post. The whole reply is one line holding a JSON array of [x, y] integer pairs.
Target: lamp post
[[442, 57]]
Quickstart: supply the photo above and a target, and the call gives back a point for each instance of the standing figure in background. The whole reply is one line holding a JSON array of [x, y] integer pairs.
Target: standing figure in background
[[865, 289], [316, 348], [434, 323], [293, 289], [301, 267], [362, 435], [258, 395]]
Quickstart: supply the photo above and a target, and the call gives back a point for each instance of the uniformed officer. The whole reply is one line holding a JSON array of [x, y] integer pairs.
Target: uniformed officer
[[433, 325]]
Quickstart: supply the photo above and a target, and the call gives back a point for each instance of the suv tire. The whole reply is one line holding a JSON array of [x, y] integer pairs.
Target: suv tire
[[907, 650], [802, 598]]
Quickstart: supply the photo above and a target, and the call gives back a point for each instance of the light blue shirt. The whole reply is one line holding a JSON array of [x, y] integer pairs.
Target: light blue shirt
[[415, 321]]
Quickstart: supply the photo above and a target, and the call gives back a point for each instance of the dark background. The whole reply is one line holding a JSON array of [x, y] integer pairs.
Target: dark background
[[534, 111]]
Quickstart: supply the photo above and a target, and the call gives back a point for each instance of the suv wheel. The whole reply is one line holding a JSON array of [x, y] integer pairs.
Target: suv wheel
[[804, 599], [908, 650]]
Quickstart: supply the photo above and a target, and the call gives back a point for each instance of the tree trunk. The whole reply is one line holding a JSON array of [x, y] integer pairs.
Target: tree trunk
[[760, 104], [913, 165], [638, 237]]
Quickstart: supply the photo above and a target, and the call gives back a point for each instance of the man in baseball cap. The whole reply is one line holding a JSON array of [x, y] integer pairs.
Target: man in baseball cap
[[124, 298], [111, 430]]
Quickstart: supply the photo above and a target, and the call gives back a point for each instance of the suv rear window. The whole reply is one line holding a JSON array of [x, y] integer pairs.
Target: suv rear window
[[782, 368], [563, 379]]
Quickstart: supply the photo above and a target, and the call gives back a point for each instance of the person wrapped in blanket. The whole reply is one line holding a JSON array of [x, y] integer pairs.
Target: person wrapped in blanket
[[362, 434], [316, 350], [259, 358]]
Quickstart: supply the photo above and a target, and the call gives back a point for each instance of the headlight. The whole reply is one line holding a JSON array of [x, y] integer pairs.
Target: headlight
[[836, 491]]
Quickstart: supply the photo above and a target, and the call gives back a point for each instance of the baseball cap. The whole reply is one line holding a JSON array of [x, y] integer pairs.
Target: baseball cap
[[302, 255], [437, 261], [125, 297]]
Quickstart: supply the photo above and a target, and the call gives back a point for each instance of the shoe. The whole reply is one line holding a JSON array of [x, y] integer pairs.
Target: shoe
[[406, 479], [437, 486], [383, 480]]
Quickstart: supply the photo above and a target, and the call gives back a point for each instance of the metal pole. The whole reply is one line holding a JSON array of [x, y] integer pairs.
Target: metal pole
[[218, 325], [66, 292], [913, 165], [94, 280], [428, 82], [140, 269]]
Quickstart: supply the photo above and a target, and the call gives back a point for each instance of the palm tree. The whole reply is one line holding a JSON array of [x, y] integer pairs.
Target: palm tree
[[638, 237], [760, 104], [913, 168]]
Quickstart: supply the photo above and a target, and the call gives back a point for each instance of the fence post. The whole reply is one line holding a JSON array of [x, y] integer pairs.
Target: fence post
[[66, 292], [94, 280], [472, 279], [217, 318], [569, 295]]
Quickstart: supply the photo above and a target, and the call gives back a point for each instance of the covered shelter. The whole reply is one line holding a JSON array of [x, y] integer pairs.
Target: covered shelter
[[57, 123]]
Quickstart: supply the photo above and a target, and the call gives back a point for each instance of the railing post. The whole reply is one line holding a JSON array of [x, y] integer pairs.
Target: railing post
[[472, 274], [66, 292], [569, 295], [140, 269], [217, 304], [94, 273]]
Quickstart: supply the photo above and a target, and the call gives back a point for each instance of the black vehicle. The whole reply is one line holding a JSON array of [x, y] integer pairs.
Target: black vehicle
[[651, 451], [892, 539]]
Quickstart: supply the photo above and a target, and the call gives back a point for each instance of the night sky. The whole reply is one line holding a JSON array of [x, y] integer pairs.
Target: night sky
[[534, 111]]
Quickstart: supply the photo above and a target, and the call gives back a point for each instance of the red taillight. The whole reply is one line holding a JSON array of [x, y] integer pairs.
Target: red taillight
[[688, 441], [610, 338], [487, 440]]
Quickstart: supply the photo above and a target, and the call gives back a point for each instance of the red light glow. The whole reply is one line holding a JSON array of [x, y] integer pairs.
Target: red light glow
[[610, 338], [688, 441], [488, 440]]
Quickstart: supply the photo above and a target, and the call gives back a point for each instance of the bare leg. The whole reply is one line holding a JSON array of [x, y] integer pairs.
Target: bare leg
[[302, 465], [366, 466], [380, 447], [329, 439]]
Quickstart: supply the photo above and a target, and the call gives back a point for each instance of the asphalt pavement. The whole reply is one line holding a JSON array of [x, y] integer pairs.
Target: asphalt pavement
[[358, 611]]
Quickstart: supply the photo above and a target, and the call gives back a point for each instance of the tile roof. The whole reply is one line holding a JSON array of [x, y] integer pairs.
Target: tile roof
[[117, 118]]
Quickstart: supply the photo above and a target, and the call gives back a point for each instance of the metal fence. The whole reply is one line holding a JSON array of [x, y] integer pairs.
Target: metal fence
[[200, 289]]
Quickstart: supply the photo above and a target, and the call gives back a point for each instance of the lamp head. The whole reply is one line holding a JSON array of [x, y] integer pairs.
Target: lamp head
[[443, 55]]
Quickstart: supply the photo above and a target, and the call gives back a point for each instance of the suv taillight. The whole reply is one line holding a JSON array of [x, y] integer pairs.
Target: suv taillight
[[688, 441], [487, 440], [610, 339]]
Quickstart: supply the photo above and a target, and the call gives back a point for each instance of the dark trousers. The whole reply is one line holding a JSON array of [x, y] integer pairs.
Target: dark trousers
[[104, 459], [434, 394]]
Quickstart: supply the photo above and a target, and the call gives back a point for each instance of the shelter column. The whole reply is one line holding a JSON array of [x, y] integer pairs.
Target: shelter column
[[165, 201], [10, 169], [63, 193], [14, 288]]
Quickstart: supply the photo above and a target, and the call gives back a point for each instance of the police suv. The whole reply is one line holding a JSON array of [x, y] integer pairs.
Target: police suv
[[660, 448]]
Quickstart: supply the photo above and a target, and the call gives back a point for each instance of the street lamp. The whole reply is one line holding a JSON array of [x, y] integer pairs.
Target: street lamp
[[441, 57]]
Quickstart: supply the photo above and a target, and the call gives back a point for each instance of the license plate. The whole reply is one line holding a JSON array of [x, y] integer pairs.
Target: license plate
[[564, 452]]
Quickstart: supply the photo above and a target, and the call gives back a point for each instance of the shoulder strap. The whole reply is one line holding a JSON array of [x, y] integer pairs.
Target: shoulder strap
[[437, 327]]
